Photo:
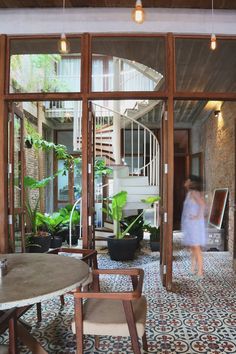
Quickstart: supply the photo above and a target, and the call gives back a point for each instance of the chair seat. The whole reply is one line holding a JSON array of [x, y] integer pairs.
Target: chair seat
[[105, 316], [4, 349]]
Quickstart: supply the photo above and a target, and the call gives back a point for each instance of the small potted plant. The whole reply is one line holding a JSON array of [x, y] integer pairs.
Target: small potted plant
[[53, 225], [37, 240], [122, 245], [65, 214], [154, 237]]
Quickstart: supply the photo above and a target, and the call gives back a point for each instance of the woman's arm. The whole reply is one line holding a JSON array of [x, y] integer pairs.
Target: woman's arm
[[201, 202]]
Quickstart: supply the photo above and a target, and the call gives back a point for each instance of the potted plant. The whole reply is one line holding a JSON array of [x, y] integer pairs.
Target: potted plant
[[137, 227], [36, 240], [151, 228], [65, 214], [121, 246], [53, 225], [154, 237]]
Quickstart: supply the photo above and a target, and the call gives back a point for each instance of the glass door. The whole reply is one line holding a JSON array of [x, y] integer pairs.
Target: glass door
[[16, 182]]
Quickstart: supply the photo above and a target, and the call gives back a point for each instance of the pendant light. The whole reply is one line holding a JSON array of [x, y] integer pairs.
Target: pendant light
[[213, 36], [63, 43], [138, 12]]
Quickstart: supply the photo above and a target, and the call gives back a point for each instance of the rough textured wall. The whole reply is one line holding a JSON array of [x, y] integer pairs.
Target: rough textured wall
[[218, 146]]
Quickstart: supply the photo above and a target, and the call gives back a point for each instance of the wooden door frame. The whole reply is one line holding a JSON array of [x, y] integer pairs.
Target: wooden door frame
[[234, 243], [3, 150], [15, 111]]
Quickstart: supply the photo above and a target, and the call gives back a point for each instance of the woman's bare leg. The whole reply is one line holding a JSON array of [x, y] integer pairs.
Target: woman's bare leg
[[199, 260], [193, 259]]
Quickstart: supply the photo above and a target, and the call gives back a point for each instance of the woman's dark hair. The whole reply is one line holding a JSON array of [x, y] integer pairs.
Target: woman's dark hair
[[196, 183]]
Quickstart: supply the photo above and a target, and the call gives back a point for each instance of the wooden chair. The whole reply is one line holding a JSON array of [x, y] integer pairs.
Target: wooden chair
[[87, 255], [8, 319], [112, 313]]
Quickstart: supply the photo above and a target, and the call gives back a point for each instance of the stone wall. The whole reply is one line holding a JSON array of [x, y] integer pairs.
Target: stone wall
[[218, 146]]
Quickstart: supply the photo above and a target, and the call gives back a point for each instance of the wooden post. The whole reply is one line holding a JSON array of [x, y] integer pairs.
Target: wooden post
[[86, 148], [170, 160], [3, 152]]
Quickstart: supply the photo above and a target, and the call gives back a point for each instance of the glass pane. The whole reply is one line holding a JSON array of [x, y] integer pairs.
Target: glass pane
[[37, 66], [198, 68], [78, 180], [17, 161], [128, 64], [63, 184]]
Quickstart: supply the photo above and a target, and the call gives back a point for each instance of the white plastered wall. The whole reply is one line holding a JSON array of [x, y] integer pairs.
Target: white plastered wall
[[110, 20]]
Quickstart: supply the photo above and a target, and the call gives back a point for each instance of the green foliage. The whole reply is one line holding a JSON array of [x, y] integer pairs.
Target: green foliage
[[100, 168], [154, 232], [60, 150], [119, 200], [66, 212], [52, 223], [31, 210], [151, 200], [137, 227]]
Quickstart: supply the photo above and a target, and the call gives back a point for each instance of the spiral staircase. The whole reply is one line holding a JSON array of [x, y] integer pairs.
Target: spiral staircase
[[131, 150]]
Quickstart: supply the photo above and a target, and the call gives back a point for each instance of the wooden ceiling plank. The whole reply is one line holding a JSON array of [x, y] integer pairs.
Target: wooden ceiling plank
[[193, 4]]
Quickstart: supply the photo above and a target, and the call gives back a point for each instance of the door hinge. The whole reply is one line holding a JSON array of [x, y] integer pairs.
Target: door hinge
[[89, 168], [166, 168], [164, 269], [90, 220], [10, 219], [166, 115], [165, 217], [9, 168]]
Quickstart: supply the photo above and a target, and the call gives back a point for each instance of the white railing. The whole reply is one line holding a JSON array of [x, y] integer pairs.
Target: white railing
[[71, 216], [140, 148]]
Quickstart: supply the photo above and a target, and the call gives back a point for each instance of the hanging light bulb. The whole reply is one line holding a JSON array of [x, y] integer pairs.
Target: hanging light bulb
[[213, 41], [138, 12], [213, 36], [63, 43]]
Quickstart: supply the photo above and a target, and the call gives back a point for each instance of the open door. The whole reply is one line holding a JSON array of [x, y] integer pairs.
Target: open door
[[16, 179], [163, 192], [166, 189]]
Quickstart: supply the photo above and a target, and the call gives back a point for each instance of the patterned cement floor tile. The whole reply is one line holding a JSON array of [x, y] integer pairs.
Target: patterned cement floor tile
[[197, 317]]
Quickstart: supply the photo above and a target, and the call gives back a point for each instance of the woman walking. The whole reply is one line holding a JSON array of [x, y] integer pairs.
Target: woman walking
[[193, 224]]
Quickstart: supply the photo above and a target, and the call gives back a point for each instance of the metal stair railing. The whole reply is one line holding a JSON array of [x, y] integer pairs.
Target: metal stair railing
[[144, 154]]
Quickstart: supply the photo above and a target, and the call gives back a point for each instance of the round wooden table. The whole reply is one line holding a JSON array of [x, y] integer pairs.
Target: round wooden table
[[35, 277], [32, 278]]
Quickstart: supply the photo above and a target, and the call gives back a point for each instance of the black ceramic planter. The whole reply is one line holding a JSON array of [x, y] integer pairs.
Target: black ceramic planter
[[39, 244], [122, 249], [56, 242], [155, 246]]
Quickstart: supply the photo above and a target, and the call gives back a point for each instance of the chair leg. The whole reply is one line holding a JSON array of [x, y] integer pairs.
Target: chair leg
[[13, 335], [62, 300], [144, 340], [79, 325], [132, 326], [97, 342], [39, 311]]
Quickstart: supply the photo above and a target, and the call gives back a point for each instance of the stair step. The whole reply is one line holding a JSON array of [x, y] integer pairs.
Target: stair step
[[109, 225], [136, 205], [133, 181], [104, 234], [105, 148], [140, 190]]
